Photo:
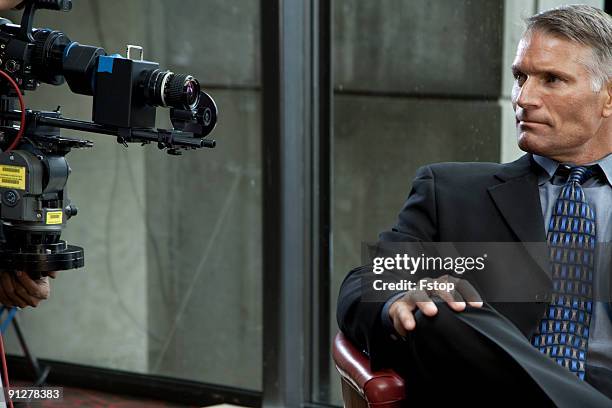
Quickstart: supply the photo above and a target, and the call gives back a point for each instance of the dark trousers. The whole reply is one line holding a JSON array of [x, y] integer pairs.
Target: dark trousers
[[480, 358]]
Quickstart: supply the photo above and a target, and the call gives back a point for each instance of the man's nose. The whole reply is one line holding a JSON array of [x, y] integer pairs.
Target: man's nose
[[528, 95]]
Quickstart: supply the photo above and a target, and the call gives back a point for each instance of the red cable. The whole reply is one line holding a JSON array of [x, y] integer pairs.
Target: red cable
[[5, 378], [21, 105]]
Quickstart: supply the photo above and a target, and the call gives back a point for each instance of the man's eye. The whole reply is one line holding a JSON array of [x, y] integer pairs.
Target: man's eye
[[551, 79], [519, 77]]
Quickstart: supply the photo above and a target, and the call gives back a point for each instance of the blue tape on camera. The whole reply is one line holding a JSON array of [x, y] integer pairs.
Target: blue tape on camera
[[105, 63]]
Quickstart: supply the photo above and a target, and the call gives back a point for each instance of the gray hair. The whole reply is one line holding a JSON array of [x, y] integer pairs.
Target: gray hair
[[585, 25]]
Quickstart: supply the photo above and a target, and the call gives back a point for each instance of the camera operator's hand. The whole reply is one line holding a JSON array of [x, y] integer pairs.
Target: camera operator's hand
[[402, 310], [20, 290], [9, 4]]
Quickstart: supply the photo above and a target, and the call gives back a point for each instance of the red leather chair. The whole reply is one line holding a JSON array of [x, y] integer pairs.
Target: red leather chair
[[361, 387]]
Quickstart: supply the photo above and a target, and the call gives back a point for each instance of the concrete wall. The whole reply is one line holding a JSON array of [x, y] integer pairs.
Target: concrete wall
[[418, 46], [204, 209], [416, 82]]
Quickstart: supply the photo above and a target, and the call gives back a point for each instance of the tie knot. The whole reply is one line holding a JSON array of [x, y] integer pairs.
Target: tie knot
[[578, 174]]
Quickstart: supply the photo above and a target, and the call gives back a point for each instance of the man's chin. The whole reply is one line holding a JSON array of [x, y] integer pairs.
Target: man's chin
[[530, 143]]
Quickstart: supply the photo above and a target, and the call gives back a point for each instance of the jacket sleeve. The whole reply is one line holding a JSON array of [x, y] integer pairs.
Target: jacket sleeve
[[361, 321]]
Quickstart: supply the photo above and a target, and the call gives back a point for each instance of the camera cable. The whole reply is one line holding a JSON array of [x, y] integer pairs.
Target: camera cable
[[15, 142], [23, 111]]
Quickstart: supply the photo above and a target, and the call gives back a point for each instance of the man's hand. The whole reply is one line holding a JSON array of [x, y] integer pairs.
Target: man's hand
[[9, 4], [402, 310], [20, 290]]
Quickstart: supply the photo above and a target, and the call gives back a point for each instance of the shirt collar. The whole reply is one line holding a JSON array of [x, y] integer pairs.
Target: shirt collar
[[550, 167]]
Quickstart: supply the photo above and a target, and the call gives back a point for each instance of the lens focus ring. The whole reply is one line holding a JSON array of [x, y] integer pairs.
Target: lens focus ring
[[182, 91]]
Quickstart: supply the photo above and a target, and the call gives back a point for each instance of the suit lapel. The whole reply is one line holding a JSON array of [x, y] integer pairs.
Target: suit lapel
[[517, 198]]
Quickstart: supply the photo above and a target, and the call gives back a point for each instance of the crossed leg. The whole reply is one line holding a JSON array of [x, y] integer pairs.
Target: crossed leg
[[480, 358]]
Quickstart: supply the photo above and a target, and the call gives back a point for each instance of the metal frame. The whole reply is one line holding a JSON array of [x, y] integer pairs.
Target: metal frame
[[141, 385], [296, 66], [320, 335], [285, 214], [270, 55]]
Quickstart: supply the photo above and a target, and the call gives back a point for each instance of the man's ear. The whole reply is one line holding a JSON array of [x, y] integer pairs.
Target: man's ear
[[607, 108]]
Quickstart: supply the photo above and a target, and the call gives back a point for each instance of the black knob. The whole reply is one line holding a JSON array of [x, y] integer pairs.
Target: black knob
[[71, 211], [10, 198]]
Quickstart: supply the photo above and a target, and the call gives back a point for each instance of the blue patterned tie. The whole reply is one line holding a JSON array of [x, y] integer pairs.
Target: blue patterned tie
[[563, 332]]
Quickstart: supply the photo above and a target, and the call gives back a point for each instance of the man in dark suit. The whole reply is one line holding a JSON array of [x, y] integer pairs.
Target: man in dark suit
[[556, 350]]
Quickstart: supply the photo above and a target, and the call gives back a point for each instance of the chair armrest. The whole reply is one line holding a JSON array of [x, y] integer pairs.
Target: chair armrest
[[377, 387]]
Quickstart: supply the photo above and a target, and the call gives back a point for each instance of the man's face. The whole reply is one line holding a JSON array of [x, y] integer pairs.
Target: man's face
[[558, 115]]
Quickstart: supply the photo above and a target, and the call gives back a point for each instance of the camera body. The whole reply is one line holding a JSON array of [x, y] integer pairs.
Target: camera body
[[120, 99]]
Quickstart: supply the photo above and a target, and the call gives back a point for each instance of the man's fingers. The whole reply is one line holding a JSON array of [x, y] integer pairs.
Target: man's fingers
[[23, 292], [469, 293], [402, 310], [37, 289], [20, 290], [453, 299], [428, 308], [462, 291], [421, 300], [399, 327], [9, 290], [23, 295], [404, 319], [401, 315], [52, 275], [4, 300], [407, 320], [9, 4]]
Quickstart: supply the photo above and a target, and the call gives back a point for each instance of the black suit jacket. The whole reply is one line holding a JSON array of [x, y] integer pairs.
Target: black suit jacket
[[458, 202]]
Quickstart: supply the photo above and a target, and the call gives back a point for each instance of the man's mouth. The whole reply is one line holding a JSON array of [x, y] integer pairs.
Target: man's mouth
[[529, 123]]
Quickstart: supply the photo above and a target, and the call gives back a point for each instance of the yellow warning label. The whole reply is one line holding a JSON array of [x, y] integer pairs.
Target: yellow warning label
[[54, 217], [12, 177]]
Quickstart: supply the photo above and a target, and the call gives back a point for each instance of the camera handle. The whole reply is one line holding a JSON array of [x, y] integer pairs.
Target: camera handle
[[27, 19]]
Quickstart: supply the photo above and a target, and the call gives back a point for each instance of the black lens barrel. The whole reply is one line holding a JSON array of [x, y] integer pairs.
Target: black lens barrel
[[48, 54]]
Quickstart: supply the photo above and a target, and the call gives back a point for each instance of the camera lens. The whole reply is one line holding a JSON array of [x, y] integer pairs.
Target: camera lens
[[48, 54], [165, 88], [192, 91], [182, 91]]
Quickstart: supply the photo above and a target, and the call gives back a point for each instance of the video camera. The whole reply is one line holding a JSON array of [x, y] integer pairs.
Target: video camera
[[34, 205]]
